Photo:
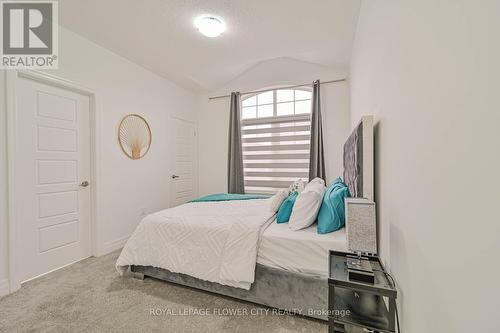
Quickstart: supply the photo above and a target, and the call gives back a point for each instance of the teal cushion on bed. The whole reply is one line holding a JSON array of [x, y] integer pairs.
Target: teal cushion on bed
[[286, 207], [331, 215]]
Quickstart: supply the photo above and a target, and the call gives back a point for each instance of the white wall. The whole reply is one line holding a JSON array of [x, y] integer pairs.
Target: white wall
[[428, 71], [214, 116], [121, 87]]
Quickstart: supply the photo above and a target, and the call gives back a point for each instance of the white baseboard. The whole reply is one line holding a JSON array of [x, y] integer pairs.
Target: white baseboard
[[113, 245], [4, 287]]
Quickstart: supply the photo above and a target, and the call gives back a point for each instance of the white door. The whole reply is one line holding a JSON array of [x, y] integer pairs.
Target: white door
[[53, 166], [183, 178]]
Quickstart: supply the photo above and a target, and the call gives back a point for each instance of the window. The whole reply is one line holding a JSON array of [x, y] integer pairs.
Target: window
[[276, 128]]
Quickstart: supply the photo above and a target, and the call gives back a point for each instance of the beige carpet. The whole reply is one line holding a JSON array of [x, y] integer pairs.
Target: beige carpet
[[90, 296]]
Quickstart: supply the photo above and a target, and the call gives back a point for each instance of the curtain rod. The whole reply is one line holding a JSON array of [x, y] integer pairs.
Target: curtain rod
[[285, 87]]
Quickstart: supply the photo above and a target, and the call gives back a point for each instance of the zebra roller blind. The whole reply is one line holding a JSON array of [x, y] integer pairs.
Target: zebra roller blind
[[275, 145]]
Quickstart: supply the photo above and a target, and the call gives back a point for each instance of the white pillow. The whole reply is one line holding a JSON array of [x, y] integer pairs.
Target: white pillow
[[278, 199], [297, 186], [307, 205]]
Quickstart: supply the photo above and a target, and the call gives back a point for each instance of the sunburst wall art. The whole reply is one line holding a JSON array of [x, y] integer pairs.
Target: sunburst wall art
[[134, 136]]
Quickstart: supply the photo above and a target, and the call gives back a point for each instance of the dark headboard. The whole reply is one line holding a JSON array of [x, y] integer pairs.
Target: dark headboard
[[358, 160]]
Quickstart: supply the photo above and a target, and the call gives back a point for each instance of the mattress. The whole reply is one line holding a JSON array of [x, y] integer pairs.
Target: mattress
[[302, 251]]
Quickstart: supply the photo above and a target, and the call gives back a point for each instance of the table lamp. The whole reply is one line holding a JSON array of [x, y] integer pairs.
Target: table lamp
[[361, 230]]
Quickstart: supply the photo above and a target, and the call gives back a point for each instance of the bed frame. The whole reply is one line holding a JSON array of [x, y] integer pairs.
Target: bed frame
[[277, 288]]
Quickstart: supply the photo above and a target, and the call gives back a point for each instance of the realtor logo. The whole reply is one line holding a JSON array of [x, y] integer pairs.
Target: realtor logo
[[29, 34]]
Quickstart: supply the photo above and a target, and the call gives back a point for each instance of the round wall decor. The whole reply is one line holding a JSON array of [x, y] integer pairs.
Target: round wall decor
[[134, 136]]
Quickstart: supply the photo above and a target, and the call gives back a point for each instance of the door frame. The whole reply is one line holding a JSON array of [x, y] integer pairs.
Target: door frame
[[12, 78]]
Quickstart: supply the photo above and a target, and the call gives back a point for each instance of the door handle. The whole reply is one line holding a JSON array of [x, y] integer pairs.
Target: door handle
[[84, 184], [175, 176]]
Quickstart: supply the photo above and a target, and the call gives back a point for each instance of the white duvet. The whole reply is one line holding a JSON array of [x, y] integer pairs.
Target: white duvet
[[213, 241]]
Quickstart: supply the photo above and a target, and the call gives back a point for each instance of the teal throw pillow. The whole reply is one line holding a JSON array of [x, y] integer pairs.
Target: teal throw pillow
[[285, 210], [331, 215]]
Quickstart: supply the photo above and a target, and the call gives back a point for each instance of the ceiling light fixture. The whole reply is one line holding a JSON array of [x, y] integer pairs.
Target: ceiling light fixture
[[209, 26]]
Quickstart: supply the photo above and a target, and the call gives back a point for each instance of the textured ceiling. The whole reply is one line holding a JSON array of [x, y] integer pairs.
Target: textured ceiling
[[159, 34]]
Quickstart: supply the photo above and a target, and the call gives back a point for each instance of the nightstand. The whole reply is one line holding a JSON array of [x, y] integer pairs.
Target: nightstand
[[356, 306]]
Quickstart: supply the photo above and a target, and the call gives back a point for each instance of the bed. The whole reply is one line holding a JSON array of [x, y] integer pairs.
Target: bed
[[236, 249]]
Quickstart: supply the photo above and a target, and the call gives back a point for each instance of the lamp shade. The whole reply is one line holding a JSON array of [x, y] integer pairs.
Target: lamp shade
[[361, 226]]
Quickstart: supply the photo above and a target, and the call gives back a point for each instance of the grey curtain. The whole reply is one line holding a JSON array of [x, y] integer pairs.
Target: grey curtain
[[317, 157], [235, 180]]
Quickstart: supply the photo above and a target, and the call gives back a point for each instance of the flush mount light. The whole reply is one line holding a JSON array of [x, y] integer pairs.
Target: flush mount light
[[210, 26]]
